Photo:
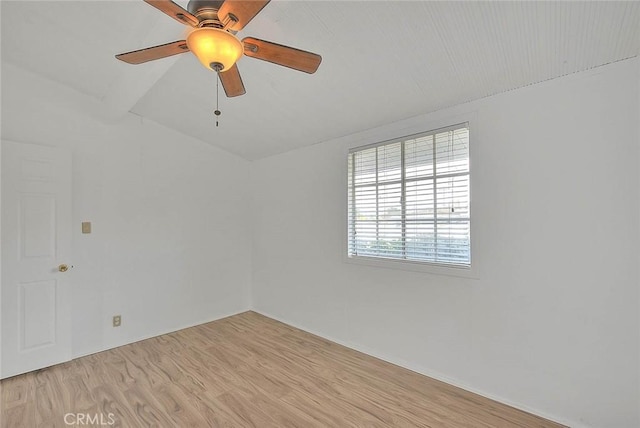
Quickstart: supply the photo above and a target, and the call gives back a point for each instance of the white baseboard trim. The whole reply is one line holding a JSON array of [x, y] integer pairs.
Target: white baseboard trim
[[141, 338], [429, 373]]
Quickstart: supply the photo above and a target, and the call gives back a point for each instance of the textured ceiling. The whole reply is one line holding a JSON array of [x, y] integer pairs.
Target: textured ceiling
[[382, 61]]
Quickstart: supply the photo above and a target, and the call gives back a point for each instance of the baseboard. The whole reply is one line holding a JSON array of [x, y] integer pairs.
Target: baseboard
[[139, 339], [429, 373]]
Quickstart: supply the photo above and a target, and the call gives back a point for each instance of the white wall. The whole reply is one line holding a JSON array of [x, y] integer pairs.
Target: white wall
[[551, 325], [638, 249], [170, 243]]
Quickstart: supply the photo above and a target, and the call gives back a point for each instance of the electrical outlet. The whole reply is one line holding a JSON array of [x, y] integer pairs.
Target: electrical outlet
[[117, 320]]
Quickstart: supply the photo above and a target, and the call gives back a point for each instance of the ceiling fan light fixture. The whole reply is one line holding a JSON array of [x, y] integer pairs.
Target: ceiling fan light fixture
[[215, 47]]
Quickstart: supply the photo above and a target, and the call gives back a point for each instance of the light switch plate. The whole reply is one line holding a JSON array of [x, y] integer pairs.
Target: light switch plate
[[86, 227]]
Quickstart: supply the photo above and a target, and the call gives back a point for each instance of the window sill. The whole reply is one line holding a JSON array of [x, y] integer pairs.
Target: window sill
[[470, 272]]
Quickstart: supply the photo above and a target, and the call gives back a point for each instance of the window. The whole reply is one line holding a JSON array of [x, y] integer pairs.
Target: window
[[409, 199]]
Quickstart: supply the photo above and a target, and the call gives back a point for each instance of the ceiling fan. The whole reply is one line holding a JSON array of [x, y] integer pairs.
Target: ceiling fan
[[214, 42]]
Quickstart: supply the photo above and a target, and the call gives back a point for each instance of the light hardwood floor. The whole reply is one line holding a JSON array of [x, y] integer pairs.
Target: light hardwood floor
[[244, 371]]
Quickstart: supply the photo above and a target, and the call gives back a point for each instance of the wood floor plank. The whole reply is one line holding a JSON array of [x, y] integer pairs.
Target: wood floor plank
[[245, 371]]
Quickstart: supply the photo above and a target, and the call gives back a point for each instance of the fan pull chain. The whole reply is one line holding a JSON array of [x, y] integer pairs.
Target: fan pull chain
[[217, 111]]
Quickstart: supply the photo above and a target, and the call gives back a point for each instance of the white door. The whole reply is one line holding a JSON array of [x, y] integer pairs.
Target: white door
[[36, 240]]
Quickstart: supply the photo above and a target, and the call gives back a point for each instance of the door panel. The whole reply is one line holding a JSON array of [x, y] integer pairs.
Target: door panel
[[36, 238], [37, 308]]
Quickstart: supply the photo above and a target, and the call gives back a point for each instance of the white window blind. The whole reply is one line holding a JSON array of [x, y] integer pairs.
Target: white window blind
[[409, 199]]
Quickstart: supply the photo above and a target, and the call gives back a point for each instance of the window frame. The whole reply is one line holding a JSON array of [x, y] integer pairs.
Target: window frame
[[466, 271]]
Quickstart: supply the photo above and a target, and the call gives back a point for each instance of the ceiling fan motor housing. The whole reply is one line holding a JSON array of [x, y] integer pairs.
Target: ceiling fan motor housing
[[206, 11]]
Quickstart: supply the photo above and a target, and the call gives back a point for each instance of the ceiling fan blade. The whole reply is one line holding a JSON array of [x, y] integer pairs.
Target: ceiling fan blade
[[155, 52], [232, 82], [282, 55], [242, 10], [174, 11]]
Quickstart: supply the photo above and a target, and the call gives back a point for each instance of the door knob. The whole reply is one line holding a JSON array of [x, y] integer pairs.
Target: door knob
[[63, 268]]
